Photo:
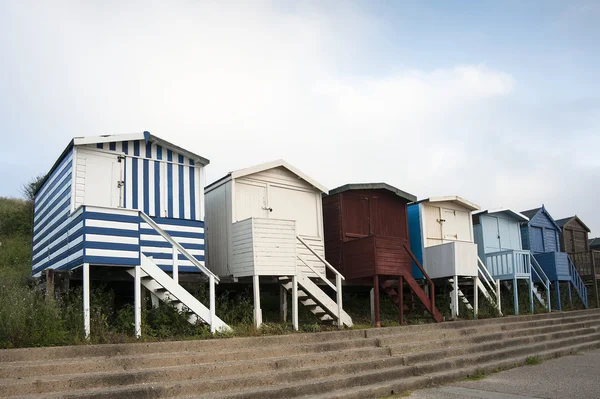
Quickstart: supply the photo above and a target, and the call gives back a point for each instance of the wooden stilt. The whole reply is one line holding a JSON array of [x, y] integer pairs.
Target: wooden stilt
[[49, 285], [283, 304], [257, 310], [295, 303], [376, 300], [475, 297], [595, 281], [530, 294], [372, 298], [401, 294], [569, 293], [137, 299], [455, 297], [86, 300], [516, 296], [557, 288]]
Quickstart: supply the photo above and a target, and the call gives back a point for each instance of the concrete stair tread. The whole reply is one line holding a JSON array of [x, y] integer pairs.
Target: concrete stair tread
[[398, 386], [408, 373], [474, 327], [474, 339], [282, 362], [397, 364], [347, 358]]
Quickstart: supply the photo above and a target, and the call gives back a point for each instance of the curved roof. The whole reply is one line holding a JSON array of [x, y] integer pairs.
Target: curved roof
[[374, 186]]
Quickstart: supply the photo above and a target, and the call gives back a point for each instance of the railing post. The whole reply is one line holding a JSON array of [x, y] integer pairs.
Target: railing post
[[594, 280], [295, 303], [338, 285], [175, 265], [475, 297], [211, 293]]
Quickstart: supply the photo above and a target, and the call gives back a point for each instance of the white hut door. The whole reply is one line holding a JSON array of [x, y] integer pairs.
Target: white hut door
[[251, 200], [456, 225], [295, 204], [103, 176]]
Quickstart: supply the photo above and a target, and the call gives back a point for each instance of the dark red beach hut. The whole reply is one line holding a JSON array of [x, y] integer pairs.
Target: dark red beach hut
[[366, 239]]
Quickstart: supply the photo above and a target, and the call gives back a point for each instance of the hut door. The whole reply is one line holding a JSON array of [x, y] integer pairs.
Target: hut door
[[295, 204], [250, 200], [491, 234], [356, 216], [102, 179], [456, 225]]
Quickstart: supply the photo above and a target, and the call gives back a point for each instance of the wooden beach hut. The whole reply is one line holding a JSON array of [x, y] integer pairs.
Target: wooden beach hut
[[366, 239], [266, 221]]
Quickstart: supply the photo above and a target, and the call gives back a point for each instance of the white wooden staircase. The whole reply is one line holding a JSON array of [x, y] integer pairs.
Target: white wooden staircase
[[316, 300], [484, 282], [169, 291]]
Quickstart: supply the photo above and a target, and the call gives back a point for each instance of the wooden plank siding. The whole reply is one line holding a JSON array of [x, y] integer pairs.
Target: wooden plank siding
[[365, 233]]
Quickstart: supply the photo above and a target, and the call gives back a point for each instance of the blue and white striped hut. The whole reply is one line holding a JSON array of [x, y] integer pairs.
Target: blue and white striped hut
[[134, 201]]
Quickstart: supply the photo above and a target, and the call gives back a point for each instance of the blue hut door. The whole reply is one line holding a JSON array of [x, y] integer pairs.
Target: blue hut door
[[537, 239], [491, 234], [504, 231]]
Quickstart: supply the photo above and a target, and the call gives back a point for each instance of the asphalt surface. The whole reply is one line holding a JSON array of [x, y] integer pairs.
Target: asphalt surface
[[576, 377]]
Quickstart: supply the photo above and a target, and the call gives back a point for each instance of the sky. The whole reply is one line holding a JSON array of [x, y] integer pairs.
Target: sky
[[497, 102]]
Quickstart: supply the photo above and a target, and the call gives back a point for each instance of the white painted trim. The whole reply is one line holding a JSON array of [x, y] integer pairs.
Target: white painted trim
[[107, 138], [275, 164], [73, 179], [467, 204], [111, 253]]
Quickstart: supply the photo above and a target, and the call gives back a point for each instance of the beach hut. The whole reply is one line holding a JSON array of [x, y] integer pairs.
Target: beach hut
[[574, 240], [267, 221], [131, 201], [441, 238], [366, 239], [541, 235], [498, 238]]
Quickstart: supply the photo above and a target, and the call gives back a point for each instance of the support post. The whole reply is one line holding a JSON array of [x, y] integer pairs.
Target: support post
[[475, 297], [212, 294], [455, 311], [295, 303], [595, 281], [338, 286], [498, 296], [49, 285], [283, 306], [569, 293], [376, 300], [137, 298], [516, 296], [372, 296], [531, 294], [257, 310], [557, 288], [401, 298], [175, 265], [86, 300], [548, 295]]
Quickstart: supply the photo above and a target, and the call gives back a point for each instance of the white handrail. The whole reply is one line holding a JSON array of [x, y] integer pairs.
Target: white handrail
[[487, 276], [179, 247], [320, 257], [317, 273]]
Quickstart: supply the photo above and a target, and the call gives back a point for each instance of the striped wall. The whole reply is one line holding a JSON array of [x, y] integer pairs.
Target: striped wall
[[111, 236], [159, 181], [57, 240], [188, 233]]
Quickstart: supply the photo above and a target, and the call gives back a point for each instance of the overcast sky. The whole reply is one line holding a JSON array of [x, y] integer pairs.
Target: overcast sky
[[497, 102]]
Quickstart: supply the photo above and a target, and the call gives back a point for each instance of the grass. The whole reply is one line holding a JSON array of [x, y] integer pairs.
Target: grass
[[475, 377], [533, 360]]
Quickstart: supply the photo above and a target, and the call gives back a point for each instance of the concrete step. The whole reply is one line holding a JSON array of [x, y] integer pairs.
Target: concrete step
[[286, 364], [441, 371], [208, 383], [400, 385], [483, 328]]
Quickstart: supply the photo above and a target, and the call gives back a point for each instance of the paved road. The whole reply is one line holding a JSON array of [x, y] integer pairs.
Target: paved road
[[575, 377]]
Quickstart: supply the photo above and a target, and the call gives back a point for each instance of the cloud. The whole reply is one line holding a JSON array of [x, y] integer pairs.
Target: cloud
[[252, 82]]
